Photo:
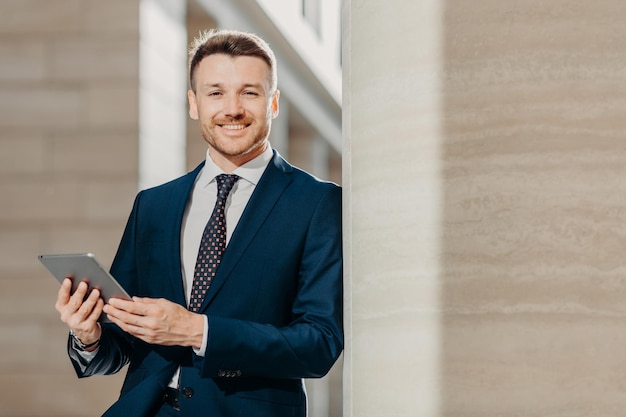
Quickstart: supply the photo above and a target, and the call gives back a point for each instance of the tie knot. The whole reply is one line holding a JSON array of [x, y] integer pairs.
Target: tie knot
[[225, 183]]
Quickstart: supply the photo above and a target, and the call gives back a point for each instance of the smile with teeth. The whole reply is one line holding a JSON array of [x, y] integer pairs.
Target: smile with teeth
[[238, 126]]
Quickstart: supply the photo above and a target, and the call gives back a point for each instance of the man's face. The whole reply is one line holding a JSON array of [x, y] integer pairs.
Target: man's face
[[234, 106]]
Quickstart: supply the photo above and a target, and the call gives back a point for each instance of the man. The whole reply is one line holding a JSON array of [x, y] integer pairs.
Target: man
[[269, 312]]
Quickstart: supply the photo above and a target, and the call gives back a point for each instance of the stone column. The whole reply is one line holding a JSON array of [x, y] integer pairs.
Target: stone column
[[484, 166], [391, 175], [162, 93]]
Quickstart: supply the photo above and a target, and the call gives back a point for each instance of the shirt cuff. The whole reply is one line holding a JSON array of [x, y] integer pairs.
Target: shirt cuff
[[202, 350], [84, 358]]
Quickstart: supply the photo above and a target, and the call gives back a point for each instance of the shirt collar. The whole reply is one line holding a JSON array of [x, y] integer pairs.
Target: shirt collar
[[251, 171]]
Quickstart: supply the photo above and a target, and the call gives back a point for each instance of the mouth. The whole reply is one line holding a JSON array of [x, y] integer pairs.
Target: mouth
[[233, 126]]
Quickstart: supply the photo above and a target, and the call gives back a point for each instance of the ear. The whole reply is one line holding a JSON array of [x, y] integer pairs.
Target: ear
[[193, 105], [274, 104]]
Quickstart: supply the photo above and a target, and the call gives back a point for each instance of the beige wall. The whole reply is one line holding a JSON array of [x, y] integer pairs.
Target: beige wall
[[486, 208], [68, 174], [534, 237]]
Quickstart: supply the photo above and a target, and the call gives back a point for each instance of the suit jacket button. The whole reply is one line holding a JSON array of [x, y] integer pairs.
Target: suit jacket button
[[221, 373], [187, 392]]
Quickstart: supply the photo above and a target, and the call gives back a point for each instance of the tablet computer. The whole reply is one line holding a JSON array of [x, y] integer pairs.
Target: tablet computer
[[84, 267]]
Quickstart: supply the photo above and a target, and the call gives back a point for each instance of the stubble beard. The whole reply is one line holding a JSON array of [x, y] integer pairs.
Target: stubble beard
[[216, 143]]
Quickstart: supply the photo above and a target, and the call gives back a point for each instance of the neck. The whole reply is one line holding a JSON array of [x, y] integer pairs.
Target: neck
[[229, 163]]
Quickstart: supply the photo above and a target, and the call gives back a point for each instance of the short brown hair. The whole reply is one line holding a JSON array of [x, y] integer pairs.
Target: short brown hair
[[233, 43]]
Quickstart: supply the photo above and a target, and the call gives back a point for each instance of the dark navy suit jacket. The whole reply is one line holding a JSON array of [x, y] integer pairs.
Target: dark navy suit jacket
[[274, 308]]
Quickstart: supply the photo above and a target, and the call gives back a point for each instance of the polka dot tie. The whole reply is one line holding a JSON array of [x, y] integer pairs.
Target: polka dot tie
[[212, 244]]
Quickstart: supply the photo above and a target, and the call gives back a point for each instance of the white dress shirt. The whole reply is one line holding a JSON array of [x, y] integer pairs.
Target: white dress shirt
[[202, 201], [200, 207], [199, 210]]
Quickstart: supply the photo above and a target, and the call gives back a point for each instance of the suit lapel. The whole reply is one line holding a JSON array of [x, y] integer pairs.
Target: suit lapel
[[267, 192], [179, 200]]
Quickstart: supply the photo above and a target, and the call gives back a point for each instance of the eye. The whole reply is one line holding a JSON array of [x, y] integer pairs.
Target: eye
[[214, 93], [250, 93]]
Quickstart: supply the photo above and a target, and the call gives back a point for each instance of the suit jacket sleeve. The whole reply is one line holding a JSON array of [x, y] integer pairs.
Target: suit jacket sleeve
[[311, 342], [115, 348]]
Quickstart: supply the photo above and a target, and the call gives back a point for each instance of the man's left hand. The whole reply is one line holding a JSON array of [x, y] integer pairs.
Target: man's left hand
[[157, 321]]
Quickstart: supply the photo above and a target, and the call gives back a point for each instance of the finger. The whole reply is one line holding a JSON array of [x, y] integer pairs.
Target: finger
[[135, 331], [97, 310], [127, 322], [115, 320], [74, 302], [78, 317], [90, 303], [121, 304], [141, 306], [63, 296], [154, 302], [145, 300], [66, 287], [79, 294], [122, 316]]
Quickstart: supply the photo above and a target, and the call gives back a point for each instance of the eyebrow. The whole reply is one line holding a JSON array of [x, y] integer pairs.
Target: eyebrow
[[221, 85]]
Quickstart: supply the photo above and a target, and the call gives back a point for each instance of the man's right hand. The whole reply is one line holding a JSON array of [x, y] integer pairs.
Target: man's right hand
[[80, 316]]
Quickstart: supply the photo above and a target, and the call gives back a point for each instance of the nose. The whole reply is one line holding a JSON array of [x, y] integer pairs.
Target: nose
[[233, 106]]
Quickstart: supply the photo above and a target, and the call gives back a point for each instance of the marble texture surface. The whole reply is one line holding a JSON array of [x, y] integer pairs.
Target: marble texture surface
[[533, 277], [392, 166], [486, 147]]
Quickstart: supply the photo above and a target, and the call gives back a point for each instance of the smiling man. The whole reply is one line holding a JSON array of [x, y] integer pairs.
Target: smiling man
[[235, 112], [235, 268]]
